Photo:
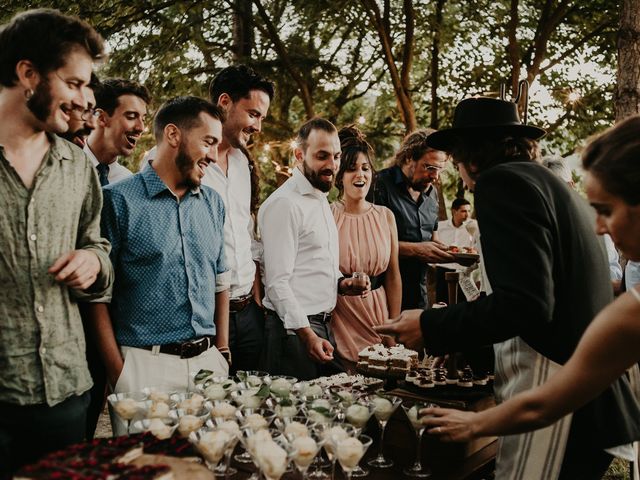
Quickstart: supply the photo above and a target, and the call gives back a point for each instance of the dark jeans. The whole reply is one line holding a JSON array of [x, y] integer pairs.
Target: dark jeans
[[583, 459], [98, 393], [246, 337], [28, 432], [285, 354]]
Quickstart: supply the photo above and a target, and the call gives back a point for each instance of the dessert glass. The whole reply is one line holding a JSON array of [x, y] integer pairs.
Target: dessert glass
[[384, 406], [413, 414], [127, 405], [350, 457]]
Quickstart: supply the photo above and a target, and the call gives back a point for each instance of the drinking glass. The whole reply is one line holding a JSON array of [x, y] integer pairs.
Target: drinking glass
[[413, 414], [384, 406], [350, 453]]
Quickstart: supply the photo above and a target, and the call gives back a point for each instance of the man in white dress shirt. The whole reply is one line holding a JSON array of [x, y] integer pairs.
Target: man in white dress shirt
[[302, 277], [453, 232], [245, 97], [122, 107]]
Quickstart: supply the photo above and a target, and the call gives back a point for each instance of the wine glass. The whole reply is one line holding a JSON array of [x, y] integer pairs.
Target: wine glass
[[253, 420], [212, 444], [231, 427], [384, 406], [190, 420], [281, 385], [217, 388], [252, 378], [307, 448], [284, 407], [358, 415], [350, 451], [330, 433], [273, 457], [161, 428], [413, 414], [127, 405]]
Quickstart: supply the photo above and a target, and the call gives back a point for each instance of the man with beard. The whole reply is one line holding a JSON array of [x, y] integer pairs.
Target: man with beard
[[166, 231], [122, 107], [301, 272], [546, 277], [51, 251], [83, 121], [407, 190]]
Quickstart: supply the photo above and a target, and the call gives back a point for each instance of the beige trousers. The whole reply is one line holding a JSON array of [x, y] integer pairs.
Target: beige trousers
[[170, 373]]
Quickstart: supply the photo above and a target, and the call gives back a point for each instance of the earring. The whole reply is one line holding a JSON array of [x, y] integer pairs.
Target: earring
[[28, 93]]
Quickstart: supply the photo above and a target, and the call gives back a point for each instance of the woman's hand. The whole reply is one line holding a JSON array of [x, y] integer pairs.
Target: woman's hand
[[450, 425]]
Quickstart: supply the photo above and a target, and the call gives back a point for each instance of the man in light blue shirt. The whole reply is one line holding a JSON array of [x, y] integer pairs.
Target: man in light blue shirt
[[167, 233]]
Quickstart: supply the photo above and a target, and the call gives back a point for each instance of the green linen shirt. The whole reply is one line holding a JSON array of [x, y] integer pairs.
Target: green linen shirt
[[42, 345]]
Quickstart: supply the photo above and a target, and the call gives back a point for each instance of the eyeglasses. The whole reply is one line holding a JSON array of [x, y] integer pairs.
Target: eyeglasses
[[87, 113], [431, 168]]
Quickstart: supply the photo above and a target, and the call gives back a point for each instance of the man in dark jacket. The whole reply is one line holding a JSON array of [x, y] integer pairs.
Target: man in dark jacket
[[546, 277]]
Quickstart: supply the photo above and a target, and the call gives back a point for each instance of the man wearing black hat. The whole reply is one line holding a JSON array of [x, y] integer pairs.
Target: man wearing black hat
[[547, 277]]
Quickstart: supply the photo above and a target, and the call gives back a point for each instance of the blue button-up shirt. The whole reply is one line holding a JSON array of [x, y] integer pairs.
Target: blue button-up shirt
[[416, 221], [166, 254]]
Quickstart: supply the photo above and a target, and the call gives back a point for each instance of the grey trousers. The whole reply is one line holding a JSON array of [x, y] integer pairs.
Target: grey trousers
[[284, 353]]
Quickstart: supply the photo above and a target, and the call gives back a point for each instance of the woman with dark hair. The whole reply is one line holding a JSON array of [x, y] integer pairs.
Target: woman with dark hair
[[368, 244], [610, 344]]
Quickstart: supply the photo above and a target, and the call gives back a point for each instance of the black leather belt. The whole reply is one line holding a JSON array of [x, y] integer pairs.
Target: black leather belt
[[324, 317], [189, 349], [377, 281], [238, 304]]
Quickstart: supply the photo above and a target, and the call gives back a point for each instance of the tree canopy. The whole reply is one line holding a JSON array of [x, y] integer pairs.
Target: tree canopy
[[390, 67]]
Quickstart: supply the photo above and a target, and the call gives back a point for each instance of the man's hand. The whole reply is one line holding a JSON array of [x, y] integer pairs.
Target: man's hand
[[319, 349], [354, 287], [433, 252], [405, 329], [449, 424], [76, 269]]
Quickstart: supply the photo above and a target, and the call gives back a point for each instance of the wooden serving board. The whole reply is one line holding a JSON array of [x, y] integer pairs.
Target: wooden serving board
[[180, 468]]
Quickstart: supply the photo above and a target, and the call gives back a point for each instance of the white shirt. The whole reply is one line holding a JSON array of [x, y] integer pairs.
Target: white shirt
[[449, 234], [615, 270], [235, 190], [117, 172], [300, 242]]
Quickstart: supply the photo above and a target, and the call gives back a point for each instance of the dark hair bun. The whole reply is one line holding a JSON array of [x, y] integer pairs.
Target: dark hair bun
[[351, 137]]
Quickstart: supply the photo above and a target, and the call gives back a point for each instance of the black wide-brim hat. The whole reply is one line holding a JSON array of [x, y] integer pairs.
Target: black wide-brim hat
[[483, 117]]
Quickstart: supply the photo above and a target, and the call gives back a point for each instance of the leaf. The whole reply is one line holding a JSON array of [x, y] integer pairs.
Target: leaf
[[202, 375], [263, 392]]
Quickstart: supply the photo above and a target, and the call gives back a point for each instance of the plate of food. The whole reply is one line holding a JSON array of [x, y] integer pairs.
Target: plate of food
[[464, 255]]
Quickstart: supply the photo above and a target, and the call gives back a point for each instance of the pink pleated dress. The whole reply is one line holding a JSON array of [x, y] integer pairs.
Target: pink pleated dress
[[365, 246]]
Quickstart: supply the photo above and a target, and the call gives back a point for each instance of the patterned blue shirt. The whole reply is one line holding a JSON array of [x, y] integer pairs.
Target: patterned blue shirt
[[166, 255]]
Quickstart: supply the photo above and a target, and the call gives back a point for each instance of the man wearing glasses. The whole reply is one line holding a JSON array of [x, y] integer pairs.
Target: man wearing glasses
[[122, 107], [407, 189], [82, 121]]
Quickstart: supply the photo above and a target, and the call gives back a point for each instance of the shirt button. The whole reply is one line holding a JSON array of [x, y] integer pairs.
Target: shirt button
[[33, 236], [43, 350], [40, 308]]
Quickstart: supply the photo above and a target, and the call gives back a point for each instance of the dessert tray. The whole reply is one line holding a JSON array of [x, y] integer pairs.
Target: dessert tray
[[140, 456]]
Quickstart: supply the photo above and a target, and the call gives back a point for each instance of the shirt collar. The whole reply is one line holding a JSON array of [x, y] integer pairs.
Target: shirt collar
[[60, 149], [154, 184], [304, 185]]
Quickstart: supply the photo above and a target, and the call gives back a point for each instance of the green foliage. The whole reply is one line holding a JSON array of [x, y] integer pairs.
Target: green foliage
[[331, 50]]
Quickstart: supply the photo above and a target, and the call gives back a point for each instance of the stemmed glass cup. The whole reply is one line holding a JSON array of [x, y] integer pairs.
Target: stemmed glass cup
[[413, 414], [350, 451], [384, 406]]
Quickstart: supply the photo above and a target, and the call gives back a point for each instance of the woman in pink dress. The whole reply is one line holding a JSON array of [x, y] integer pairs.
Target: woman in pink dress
[[368, 243]]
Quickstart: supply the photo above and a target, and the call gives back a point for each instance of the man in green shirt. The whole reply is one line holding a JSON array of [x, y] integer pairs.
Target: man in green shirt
[[51, 251]]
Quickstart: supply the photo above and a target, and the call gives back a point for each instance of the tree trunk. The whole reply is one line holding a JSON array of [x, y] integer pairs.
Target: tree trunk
[[242, 30], [435, 65], [628, 88]]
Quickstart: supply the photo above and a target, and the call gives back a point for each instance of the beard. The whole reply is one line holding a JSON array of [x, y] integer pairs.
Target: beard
[[316, 181], [81, 133], [187, 166], [40, 102]]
